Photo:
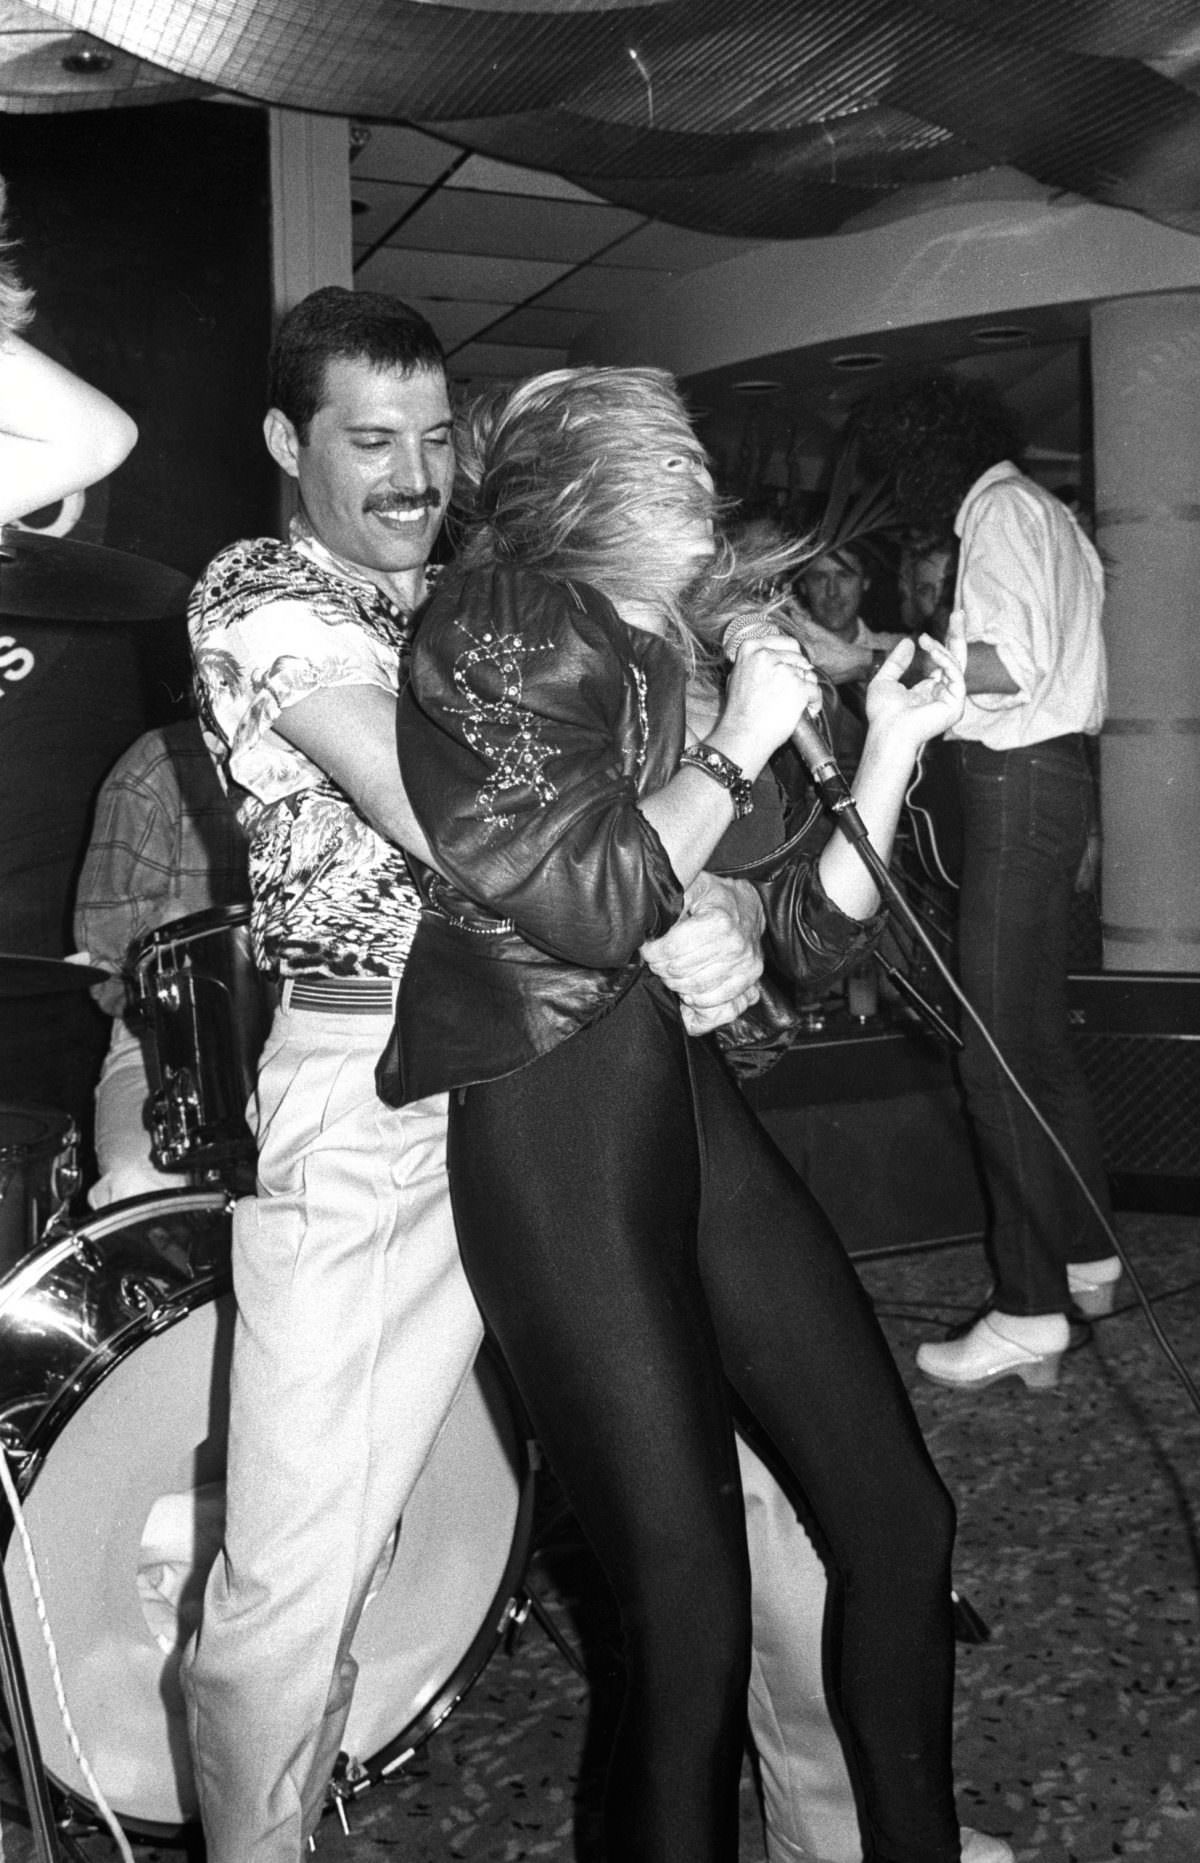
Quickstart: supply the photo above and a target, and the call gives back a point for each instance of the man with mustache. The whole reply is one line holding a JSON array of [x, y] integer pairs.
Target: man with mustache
[[355, 1326]]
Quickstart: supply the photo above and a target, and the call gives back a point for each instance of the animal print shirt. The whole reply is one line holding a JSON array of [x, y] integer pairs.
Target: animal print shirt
[[270, 623]]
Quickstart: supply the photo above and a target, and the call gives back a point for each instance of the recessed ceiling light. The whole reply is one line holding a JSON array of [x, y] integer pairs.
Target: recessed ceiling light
[[757, 385], [996, 335], [87, 64], [855, 361]]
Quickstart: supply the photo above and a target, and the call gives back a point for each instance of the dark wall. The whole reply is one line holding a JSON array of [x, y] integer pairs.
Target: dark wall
[[145, 233]]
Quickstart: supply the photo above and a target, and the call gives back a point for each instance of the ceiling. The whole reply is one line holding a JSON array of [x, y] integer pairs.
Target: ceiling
[[771, 119], [519, 167], [510, 265]]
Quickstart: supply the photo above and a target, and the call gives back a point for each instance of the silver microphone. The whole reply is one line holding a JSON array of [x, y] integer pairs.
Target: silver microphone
[[811, 746]]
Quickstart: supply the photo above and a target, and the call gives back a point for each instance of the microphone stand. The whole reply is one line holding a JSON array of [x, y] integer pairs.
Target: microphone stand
[[932, 1018]]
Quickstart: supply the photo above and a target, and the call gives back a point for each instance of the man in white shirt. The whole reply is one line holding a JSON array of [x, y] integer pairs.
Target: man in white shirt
[[1027, 616]]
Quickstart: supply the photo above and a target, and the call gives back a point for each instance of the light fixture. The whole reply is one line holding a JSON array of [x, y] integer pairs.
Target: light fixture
[[857, 361], [87, 63], [757, 385], [998, 335]]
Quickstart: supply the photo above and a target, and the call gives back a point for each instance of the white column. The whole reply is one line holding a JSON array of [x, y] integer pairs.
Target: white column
[[310, 204], [1146, 393], [310, 222]]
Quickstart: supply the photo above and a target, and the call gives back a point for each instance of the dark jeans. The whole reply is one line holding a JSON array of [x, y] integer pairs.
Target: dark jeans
[[1025, 817], [644, 1254]]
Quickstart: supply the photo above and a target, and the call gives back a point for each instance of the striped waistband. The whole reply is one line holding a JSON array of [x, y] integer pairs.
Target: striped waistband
[[340, 996]]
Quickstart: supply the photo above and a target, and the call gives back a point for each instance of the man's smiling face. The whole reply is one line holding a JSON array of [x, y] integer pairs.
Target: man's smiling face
[[375, 468]]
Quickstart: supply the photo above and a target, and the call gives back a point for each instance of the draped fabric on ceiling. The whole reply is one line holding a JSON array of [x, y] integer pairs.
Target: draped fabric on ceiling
[[772, 118]]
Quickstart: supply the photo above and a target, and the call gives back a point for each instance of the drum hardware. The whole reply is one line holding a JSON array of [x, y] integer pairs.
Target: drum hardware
[[89, 1257], [352, 1777], [144, 1299], [532, 1605], [207, 1009], [14, 1450], [175, 1110], [39, 1175], [60, 579]]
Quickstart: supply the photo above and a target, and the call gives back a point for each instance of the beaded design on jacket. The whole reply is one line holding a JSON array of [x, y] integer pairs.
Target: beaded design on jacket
[[521, 761]]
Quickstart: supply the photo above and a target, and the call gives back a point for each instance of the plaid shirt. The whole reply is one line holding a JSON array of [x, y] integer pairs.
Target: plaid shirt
[[165, 843]]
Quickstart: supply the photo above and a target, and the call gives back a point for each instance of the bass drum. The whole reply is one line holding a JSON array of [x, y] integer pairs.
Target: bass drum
[[114, 1360]]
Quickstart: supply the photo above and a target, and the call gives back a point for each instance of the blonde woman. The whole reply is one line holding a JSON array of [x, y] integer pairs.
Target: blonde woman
[[648, 1262]]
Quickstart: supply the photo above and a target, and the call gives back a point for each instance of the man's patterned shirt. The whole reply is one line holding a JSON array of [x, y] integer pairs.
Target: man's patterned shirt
[[270, 623]]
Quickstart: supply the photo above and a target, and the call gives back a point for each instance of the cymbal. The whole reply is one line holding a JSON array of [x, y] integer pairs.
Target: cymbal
[[44, 976], [58, 579]]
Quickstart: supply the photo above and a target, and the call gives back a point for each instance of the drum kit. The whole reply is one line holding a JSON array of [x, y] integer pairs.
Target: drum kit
[[115, 1338]]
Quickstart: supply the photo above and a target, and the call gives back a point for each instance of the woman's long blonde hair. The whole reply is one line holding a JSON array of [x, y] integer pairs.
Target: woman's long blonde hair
[[566, 473]]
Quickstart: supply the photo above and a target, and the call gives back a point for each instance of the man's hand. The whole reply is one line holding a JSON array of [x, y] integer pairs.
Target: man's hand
[[841, 661], [712, 956]]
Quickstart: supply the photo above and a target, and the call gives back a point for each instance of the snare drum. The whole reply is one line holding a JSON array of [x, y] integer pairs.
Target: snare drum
[[39, 1174], [114, 1360], [208, 1010]]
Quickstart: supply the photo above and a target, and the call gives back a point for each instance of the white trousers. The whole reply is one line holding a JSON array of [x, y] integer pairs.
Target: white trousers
[[808, 1807], [355, 1331], [122, 1124]]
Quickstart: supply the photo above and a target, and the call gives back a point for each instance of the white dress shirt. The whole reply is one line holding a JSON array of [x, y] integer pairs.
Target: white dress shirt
[[1031, 585]]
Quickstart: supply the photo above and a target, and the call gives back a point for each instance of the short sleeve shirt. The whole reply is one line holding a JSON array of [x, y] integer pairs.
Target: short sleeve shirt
[[271, 623], [1031, 585]]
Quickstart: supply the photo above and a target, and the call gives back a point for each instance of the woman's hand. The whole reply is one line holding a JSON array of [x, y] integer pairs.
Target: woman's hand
[[912, 714], [900, 718], [771, 685]]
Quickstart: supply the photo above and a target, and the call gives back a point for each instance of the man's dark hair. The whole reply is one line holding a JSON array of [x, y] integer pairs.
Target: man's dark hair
[[854, 556], [930, 439], [335, 325]]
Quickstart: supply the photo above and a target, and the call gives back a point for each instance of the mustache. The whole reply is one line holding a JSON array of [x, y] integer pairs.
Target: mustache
[[405, 501]]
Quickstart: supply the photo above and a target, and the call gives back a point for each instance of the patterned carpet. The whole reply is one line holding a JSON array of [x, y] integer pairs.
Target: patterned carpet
[[1078, 1723]]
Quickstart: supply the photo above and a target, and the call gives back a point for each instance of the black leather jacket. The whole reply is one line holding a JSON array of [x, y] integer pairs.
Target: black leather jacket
[[533, 720]]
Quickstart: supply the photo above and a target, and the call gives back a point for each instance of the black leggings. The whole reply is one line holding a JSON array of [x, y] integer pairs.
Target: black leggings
[[640, 1250]]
